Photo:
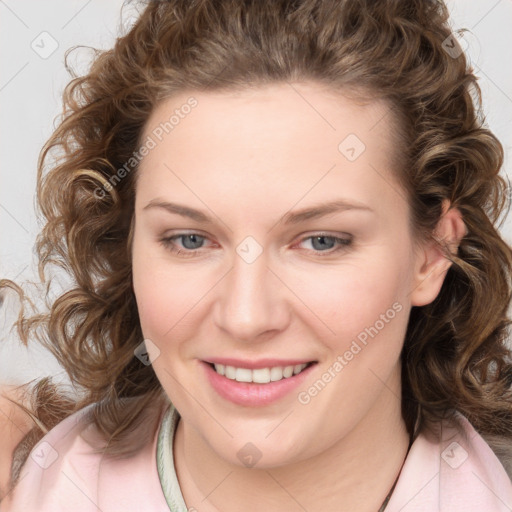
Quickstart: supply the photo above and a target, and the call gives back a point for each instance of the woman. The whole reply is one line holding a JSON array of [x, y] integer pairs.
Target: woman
[[280, 217]]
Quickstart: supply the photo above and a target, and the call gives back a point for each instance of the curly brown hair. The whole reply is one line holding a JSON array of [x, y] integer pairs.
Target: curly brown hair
[[455, 354]]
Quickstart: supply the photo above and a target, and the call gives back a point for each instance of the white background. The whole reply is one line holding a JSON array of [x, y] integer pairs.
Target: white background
[[31, 85]]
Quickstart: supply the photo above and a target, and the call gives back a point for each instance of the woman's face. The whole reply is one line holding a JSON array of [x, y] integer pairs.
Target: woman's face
[[270, 232]]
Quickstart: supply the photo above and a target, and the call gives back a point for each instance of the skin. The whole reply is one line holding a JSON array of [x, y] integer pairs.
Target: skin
[[247, 159]]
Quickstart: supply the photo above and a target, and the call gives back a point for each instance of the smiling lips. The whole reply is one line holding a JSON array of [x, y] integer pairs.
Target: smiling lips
[[255, 384], [259, 375]]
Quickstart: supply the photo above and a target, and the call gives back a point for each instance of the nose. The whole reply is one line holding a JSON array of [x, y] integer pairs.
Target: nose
[[251, 303]]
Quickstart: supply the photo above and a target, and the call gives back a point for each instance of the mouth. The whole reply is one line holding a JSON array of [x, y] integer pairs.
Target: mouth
[[259, 375], [264, 383]]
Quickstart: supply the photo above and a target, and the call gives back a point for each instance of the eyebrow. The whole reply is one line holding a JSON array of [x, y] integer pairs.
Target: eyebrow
[[312, 212], [179, 209]]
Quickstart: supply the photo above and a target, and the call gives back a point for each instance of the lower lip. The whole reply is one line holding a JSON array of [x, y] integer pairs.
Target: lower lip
[[251, 394]]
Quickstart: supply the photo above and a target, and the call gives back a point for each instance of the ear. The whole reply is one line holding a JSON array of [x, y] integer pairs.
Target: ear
[[432, 262]]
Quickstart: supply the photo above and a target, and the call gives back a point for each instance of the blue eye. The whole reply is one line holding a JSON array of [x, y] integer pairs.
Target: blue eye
[[324, 243], [190, 242]]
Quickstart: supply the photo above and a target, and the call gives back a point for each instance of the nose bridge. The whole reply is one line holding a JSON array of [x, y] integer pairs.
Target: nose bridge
[[251, 302]]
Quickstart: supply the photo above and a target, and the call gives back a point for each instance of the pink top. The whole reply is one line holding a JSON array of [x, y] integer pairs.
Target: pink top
[[451, 472]]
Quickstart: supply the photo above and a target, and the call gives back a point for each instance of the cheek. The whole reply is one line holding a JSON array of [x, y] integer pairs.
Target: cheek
[[352, 297], [166, 294]]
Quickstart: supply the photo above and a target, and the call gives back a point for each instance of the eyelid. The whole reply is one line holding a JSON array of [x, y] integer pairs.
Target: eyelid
[[312, 234]]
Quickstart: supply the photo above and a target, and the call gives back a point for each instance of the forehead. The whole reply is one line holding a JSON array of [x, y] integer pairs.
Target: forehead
[[279, 140], [307, 109]]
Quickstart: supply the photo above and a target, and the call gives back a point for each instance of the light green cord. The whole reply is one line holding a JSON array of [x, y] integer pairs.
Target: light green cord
[[165, 462]]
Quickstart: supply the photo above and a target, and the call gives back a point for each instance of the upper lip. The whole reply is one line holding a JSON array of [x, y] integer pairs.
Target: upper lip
[[256, 364]]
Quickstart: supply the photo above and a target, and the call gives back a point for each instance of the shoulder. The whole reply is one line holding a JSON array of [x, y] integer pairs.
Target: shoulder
[[451, 468], [67, 470]]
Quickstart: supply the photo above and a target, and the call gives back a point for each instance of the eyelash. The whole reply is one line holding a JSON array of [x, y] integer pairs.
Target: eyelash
[[168, 243]]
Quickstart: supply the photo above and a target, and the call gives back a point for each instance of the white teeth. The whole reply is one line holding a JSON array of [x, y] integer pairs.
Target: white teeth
[[288, 371], [276, 373], [230, 372], [243, 375], [259, 376], [297, 369]]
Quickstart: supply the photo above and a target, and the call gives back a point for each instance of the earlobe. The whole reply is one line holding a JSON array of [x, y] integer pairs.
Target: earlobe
[[432, 261]]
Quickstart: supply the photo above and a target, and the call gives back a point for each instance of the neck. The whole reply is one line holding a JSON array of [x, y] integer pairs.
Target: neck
[[356, 473]]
